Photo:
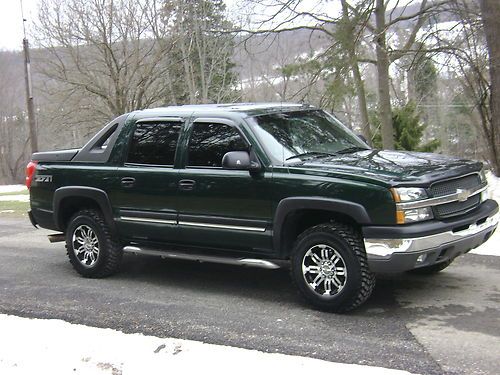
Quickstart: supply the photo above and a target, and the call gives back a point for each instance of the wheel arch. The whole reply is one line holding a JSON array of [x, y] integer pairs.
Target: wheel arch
[[70, 199], [294, 215]]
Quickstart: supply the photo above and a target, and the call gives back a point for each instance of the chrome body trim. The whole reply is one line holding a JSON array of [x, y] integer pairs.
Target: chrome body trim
[[192, 224], [148, 220], [384, 248], [260, 263], [222, 226], [460, 196]]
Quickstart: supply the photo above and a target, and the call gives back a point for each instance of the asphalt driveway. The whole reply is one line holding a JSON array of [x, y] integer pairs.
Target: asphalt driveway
[[448, 323]]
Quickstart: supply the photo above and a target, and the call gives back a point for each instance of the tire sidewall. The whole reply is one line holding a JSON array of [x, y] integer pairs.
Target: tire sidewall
[[83, 219], [351, 262]]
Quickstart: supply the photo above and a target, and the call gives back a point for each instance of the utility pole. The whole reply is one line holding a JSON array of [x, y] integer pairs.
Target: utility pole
[[29, 89]]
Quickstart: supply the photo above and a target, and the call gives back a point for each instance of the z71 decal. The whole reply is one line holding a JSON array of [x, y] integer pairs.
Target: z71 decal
[[43, 178]]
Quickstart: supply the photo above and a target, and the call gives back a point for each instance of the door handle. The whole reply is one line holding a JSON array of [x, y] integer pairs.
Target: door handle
[[186, 184], [128, 181]]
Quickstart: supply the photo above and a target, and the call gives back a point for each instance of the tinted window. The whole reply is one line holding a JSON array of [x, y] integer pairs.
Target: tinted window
[[154, 143], [287, 134], [209, 142], [100, 145]]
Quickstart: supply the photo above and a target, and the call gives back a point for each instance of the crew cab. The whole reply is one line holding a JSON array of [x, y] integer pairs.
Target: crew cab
[[260, 185]]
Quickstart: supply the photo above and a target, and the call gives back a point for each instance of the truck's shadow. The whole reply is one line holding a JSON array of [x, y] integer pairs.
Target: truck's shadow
[[245, 282]]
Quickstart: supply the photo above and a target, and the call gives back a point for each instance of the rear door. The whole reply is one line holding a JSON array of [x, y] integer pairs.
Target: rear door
[[218, 208], [146, 197]]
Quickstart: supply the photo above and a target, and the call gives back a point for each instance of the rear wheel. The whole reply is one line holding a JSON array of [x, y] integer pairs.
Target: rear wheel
[[91, 248], [330, 269]]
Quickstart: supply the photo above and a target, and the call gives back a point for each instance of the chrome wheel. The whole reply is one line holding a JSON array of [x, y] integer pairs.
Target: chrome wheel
[[324, 270], [85, 245]]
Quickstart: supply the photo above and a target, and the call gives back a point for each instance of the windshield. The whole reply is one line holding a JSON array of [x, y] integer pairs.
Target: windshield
[[295, 136]]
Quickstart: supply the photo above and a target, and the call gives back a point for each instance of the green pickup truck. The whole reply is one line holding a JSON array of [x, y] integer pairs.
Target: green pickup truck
[[259, 185]]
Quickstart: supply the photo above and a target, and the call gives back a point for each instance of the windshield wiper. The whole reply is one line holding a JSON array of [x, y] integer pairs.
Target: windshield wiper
[[351, 149], [310, 153]]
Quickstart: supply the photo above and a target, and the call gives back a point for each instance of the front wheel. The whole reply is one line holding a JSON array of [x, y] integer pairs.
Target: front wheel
[[91, 247], [330, 269]]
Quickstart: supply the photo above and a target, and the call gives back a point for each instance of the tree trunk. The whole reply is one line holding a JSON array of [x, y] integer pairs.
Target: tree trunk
[[384, 96], [361, 94], [358, 80], [490, 10]]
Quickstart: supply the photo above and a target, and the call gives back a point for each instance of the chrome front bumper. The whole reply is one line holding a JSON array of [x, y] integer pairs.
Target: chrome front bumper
[[401, 254]]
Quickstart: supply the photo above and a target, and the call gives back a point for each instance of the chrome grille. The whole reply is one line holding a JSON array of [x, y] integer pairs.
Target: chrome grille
[[442, 188]]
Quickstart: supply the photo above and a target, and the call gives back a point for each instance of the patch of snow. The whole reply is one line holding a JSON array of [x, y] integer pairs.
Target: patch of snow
[[492, 246], [17, 198], [12, 188], [493, 186], [36, 346]]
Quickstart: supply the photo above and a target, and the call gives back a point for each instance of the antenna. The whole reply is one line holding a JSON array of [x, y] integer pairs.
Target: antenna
[[29, 87]]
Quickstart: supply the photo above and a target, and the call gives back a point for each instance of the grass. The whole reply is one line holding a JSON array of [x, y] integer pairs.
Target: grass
[[19, 208], [24, 192]]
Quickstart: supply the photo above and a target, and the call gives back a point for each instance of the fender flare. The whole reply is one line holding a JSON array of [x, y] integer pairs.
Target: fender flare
[[97, 195], [289, 205]]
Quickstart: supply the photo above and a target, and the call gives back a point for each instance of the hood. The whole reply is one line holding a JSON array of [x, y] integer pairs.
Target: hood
[[395, 167]]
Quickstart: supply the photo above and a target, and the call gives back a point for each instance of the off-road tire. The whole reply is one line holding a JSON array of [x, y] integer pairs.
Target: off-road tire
[[431, 270], [110, 252], [347, 242]]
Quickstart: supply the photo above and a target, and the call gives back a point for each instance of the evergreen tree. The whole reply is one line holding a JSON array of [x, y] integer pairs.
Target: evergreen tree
[[202, 50], [408, 130]]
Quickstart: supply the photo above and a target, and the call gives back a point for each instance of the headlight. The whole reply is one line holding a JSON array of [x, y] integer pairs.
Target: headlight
[[413, 215], [417, 214], [404, 194]]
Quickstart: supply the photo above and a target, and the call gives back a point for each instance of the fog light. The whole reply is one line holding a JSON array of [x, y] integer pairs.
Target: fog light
[[421, 258], [385, 247]]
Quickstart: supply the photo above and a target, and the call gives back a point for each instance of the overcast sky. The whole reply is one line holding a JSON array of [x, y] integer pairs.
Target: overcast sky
[[11, 25]]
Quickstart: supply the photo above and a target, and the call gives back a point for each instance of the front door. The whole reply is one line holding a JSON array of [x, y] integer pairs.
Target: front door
[[218, 208]]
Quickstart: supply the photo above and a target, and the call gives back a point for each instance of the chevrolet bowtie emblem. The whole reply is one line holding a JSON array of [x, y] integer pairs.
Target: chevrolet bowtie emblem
[[463, 195]]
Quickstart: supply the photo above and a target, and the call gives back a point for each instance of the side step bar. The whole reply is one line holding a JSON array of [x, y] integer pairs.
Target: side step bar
[[56, 237], [261, 263]]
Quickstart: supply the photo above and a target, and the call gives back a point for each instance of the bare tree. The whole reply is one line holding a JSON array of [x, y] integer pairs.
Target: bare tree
[[490, 11], [465, 44], [202, 48], [359, 17], [352, 29], [106, 50], [14, 140]]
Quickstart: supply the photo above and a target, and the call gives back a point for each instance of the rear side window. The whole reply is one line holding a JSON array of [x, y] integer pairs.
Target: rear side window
[[103, 142], [210, 141], [154, 143]]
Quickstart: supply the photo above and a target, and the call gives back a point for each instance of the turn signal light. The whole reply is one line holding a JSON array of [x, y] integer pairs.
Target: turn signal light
[[400, 217]]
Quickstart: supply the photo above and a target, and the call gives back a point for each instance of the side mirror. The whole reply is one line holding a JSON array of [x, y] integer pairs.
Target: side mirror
[[239, 160]]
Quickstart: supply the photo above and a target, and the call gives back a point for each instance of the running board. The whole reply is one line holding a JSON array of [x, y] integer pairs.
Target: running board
[[57, 237], [261, 263]]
